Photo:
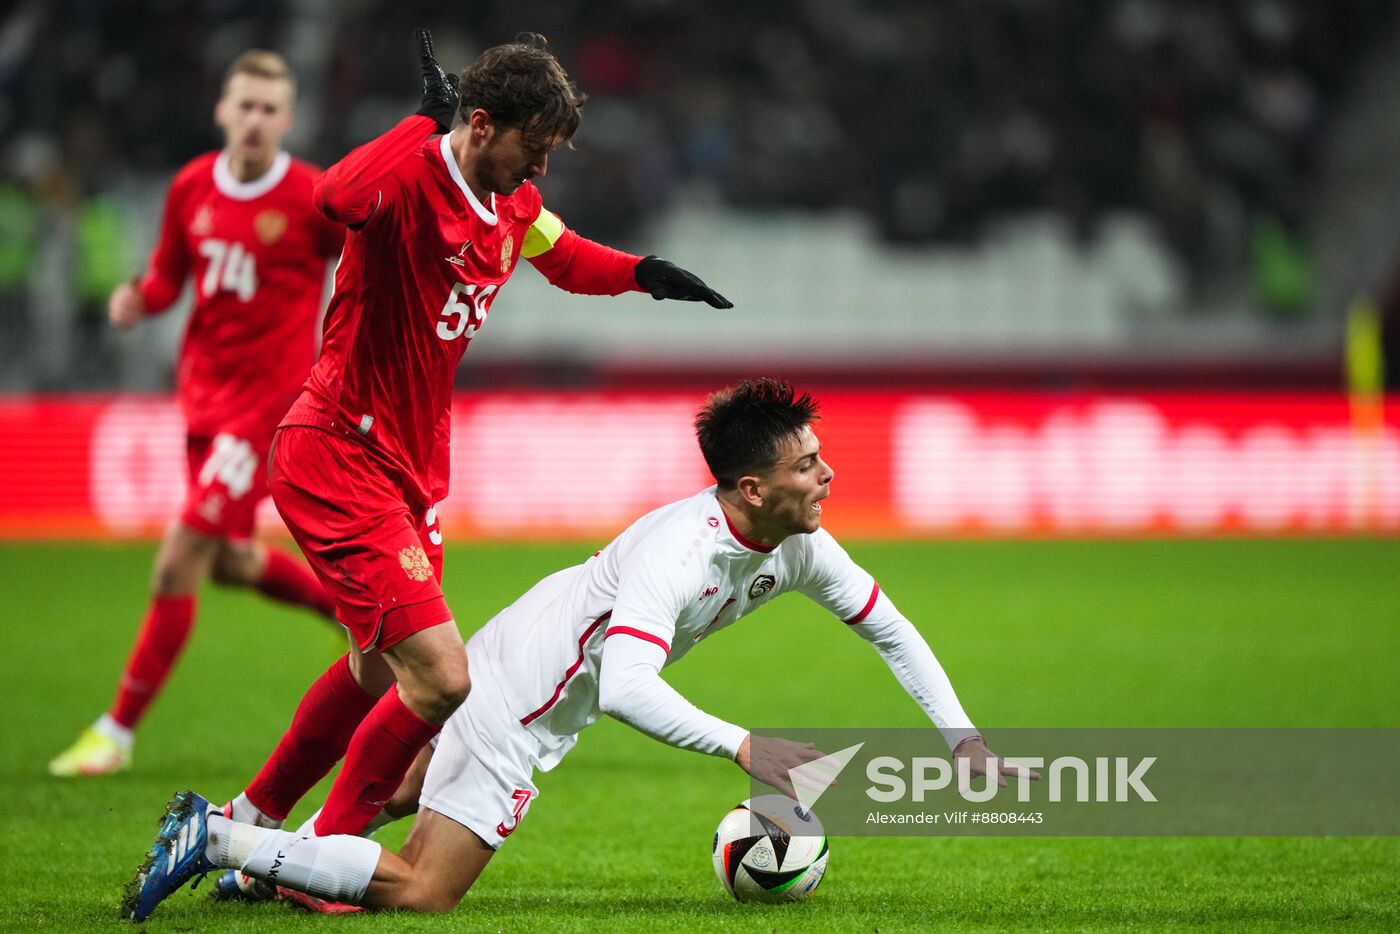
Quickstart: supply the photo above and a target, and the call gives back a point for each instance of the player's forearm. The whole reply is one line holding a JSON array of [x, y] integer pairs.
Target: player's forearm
[[158, 289], [630, 689], [576, 264], [348, 192], [916, 669]]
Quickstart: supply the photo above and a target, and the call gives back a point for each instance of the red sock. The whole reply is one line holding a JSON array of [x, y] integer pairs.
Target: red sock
[[163, 634], [321, 729], [375, 764], [290, 581]]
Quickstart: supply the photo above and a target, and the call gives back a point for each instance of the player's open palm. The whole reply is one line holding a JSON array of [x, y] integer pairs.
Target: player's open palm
[[125, 307], [769, 759]]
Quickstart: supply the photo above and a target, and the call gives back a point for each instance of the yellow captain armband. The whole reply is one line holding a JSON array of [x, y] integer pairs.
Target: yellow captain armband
[[544, 231]]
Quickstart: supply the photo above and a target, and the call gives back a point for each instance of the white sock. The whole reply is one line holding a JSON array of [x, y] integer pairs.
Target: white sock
[[246, 812], [231, 843], [338, 867], [114, 731]]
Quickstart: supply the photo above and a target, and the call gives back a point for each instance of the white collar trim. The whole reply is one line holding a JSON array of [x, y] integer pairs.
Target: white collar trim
[[488, 215], [231, 187]]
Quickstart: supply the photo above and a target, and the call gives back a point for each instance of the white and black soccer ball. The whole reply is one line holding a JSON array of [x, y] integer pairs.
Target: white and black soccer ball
[[767, 849]]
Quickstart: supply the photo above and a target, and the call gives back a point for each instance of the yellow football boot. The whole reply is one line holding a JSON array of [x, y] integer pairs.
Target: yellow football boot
[[92, 754]]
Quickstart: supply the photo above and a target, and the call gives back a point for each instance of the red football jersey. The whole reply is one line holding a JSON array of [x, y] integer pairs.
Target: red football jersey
[[257, 252], [422, 264]]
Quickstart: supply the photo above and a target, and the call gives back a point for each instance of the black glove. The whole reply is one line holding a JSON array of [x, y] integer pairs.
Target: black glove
[[667, 280], [439, 88]]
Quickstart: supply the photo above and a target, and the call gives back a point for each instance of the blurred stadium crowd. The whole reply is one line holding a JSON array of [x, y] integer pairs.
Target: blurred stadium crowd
[[932, 120]]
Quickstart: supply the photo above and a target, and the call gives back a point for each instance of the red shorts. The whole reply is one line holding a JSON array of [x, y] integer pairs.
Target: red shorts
[[228, 479], [380, 562]]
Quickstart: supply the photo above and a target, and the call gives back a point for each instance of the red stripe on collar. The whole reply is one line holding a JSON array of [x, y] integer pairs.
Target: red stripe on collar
[[744, 540]]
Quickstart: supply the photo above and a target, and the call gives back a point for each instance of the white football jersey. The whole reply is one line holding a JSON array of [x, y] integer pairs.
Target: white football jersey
[[675, 577]]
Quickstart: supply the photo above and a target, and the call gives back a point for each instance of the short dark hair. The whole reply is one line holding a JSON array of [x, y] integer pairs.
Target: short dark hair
[[521, 84], [741, 428]]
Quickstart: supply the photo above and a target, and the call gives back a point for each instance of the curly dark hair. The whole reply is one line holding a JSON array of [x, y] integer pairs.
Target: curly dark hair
[[521, 84], [742, 428]]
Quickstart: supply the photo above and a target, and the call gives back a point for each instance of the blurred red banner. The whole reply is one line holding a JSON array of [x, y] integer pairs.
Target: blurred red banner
[[555, 464]]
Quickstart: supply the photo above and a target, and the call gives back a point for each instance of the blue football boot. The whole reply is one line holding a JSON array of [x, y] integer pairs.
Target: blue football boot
[[176, 857]]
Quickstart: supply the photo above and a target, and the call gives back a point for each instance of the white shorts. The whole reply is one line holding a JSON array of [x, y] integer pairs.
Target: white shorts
[[483, 768]]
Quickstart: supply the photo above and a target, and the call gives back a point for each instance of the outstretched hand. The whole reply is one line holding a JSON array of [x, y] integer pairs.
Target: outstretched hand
[[980, 760], [769, 759], [667, 280], [439, 88]]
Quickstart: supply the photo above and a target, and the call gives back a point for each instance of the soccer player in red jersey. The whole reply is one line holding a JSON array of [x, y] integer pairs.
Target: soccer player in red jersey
[[438, 224], [241, 222]]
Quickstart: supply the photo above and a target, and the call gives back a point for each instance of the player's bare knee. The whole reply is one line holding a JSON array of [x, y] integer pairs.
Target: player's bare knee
[[457, 687], [176, 574], [453, 686], [182, 562], [429, 899], [435, 697], [233, 567], [438, 904]]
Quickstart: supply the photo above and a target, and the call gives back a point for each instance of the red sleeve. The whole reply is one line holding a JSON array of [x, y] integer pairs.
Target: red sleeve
[[349, 191], [330, 237], [583, 267], [170, 261]]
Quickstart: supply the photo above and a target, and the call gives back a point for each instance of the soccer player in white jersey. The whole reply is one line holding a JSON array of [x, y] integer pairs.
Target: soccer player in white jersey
[[592, 640]]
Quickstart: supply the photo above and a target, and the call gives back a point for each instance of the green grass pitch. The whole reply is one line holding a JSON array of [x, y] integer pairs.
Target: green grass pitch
[[1090, 634]]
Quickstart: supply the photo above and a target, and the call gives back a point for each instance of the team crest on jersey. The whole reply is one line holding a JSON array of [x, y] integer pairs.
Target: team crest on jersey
[[507, 252], [761, 585], [270, 225], [414, 561], [203, 222]]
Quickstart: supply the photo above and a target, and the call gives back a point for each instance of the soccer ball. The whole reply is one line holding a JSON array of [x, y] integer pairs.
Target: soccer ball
[[767, 849]]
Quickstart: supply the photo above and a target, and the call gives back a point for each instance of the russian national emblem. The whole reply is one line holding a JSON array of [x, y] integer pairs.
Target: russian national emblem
[[507, 252], [270, 225], [414, 561]]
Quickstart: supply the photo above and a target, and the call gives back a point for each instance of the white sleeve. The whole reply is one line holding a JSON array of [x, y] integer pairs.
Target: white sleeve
[[631, 689], [655, 583], [915, 668], [830, 578]]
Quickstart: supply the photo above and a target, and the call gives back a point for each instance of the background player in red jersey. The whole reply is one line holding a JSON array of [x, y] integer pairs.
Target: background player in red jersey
[[437, 227], [240, 222]]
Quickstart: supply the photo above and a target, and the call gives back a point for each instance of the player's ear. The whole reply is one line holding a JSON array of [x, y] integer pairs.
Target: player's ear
[[482, 126], [751, 491]]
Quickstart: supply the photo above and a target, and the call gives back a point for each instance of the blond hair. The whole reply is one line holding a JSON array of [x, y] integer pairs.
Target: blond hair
[[260, 63]]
